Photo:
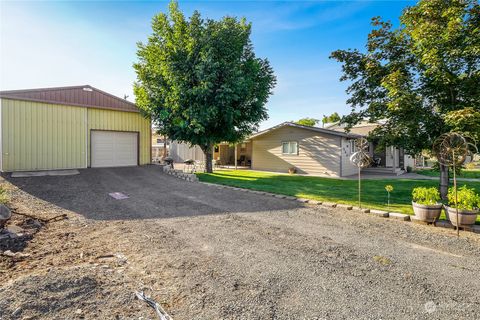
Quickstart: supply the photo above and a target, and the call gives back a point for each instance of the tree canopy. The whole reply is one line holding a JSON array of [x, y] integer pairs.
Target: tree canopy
[[417, 77], [200, 79], [334, 117], [413, 76], [310, 122]]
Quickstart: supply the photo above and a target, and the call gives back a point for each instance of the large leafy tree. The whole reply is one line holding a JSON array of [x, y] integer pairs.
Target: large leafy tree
[[334, 117], [418, 76], [200, 79], [310, 122]]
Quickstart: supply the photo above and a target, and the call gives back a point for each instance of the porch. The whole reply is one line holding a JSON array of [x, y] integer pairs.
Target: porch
[[233, 156], [389, 161]]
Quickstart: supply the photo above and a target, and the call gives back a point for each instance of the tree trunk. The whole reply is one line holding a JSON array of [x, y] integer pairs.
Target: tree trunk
[[208, 158], [444, 181]]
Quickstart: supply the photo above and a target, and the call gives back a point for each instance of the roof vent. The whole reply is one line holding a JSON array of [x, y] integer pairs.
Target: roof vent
[[87, 89]]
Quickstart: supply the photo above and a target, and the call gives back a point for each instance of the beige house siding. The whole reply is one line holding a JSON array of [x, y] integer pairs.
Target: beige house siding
[[318, 153], [347, 167]]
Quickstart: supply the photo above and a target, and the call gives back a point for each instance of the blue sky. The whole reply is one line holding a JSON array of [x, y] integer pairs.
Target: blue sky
[[44, 44]]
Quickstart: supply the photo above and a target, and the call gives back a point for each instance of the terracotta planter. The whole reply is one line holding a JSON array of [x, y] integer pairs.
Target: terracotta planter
[[428, 213], [465, 217]]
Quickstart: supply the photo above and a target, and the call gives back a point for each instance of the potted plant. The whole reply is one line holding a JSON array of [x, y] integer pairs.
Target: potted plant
[[468, 204], [426, 205], [292, 170]]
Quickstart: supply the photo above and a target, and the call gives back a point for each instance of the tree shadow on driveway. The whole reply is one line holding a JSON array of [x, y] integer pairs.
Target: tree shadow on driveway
[[151, 194]]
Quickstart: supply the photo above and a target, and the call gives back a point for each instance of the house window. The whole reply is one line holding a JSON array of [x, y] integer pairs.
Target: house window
[[290, 147], [159, 140]]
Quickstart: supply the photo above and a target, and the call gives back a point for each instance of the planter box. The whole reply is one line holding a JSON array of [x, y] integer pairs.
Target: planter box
[[465, 217], [427, 213]]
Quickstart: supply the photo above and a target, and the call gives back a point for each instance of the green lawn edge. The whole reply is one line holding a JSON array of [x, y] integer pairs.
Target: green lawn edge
[[341, 191], [466, 173]]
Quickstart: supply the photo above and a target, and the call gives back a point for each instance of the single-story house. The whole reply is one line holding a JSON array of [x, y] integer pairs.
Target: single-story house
[[386, 159], [310, 150], [70, 127]]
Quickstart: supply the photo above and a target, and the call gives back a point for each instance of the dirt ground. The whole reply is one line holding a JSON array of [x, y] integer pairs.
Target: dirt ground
[[279, 261]]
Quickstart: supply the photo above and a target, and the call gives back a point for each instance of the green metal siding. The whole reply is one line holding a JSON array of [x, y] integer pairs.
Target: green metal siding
[[100, 119], [42, 136], [38, 136]]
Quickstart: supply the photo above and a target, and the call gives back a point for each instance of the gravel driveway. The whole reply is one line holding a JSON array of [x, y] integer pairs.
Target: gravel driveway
[[152, 194], [210, 253]]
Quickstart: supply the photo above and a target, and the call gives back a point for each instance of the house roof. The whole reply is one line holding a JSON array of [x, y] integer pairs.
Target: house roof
[[363, 127], [296, 125], [79, 96]]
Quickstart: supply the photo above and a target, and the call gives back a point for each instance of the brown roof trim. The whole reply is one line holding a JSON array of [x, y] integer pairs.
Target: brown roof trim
[[72, 97], [69, 104], [296, 125]]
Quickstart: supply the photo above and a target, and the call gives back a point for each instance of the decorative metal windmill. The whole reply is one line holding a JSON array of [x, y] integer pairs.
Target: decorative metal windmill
[[451, 150], [361, 159]]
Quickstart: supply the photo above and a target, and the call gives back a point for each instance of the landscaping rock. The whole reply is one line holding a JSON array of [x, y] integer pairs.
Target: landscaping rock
[[329, 204], [280, 196], [345, 206], [443, 224], [417, 220], [399, 216], [379, 213], [302, 200], [5, 214], [290, 198], [476, 228], [316, 202]]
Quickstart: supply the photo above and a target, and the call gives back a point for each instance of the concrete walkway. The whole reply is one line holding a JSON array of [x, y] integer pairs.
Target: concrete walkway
[[410, 176]]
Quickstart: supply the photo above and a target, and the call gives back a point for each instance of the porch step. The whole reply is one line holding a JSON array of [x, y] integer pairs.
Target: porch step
[[383, 171]]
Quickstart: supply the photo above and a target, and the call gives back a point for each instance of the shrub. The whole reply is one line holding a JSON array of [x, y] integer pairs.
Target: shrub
[[470, 165], [3, 195], [426, 196], [467, 199]]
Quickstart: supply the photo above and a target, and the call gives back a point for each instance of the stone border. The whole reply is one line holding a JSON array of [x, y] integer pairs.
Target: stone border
[[192, 177], [373, 212]]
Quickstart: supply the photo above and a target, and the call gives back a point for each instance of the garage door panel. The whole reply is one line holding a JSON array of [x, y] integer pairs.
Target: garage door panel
[[114, 149]]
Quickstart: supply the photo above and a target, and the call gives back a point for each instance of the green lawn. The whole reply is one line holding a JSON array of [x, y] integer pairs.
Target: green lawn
[[466, 173], [325, 189]]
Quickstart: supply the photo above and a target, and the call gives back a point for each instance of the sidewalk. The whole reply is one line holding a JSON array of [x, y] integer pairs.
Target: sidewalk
[[410, 176]]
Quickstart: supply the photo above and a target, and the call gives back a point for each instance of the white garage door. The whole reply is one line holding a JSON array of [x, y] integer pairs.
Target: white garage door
[[114, 149]]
